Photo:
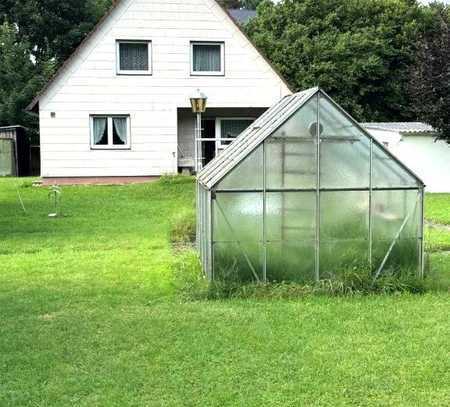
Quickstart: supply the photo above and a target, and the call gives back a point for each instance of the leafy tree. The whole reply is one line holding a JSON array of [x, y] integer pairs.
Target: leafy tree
[[430, 76], [52, 28], [359, 51], [20, 78], [36, 36]]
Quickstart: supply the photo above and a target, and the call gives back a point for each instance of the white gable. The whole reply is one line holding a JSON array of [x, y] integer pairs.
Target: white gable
[[88, 85], [170, 24]]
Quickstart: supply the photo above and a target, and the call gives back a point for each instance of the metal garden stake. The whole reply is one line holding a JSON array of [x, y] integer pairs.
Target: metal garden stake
[[55, 197]]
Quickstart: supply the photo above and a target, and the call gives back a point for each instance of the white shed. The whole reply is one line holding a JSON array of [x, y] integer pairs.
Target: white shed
[[418, 146]]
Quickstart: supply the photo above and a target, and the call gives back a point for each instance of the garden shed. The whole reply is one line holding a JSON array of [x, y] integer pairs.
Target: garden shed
[[304, 194], [14, 151]]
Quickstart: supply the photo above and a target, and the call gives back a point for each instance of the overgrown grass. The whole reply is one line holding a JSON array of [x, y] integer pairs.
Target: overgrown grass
[[182, 229], [89, 317]]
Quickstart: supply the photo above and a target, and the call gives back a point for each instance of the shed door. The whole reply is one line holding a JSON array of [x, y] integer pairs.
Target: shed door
[[7, 165]]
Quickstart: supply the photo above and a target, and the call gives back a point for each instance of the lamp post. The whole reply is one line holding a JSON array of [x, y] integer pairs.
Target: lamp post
[[198, 103]]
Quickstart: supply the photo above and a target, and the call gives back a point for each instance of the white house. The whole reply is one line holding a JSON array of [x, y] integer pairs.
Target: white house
[[417, 145], [120, 105]]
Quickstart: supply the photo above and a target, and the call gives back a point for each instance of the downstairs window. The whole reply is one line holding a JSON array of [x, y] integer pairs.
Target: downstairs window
[[110, 132]]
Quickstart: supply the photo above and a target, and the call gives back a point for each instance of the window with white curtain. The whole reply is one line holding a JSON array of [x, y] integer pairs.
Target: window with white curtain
[[110, 132], [207, 58], [134, 57]]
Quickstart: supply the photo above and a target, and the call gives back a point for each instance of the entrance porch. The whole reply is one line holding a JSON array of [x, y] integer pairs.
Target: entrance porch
[[219, 127]]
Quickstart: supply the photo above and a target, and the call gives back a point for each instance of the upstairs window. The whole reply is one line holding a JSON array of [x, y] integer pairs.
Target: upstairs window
[[110, 132], [207, 58], [134, 57]]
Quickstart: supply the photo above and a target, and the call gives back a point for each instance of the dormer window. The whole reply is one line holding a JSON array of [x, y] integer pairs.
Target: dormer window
[[134, 57], [208, 58]]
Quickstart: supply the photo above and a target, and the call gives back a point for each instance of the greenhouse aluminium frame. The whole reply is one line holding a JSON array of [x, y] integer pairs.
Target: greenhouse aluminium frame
[[210, 186]]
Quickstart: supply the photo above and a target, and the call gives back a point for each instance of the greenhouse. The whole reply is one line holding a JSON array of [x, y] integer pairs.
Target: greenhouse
[[304, 194]]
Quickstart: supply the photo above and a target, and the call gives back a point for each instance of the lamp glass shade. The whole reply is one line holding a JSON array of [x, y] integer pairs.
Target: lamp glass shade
[[198, 105]]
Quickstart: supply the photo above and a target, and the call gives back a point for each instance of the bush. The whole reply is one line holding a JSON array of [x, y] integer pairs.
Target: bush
[[175, 179], [182, 231], [188, 278]]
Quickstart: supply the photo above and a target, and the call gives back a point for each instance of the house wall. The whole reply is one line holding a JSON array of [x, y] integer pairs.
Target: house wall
[[428, 158], [89, 85]]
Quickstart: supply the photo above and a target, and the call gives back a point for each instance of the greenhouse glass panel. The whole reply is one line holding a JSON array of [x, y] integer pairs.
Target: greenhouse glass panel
[[343, 256], [396, 222], [291, 261], [291, 151], [301, 124], [247, 175], [344, 232], [344, 215], [238, 217], [238, 233], [344, 150], [290, 216], [239, 261], [388, 173], [334, 124]]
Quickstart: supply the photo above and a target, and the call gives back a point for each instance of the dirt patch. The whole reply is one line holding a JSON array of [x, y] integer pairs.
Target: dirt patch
[[440, 226]]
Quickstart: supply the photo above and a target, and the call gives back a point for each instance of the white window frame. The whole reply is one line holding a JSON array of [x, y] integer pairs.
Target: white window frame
[[109, 125], [133, 72], [221, 144], [222, 59]]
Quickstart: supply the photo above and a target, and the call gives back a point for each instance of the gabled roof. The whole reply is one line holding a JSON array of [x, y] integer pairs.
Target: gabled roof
[[35, 102], [242, 16], [401, 127], [252, 137], [263, 128]]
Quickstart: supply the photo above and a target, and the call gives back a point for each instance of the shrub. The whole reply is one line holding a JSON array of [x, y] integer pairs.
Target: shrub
[[175, 179], [182, 231], [188, 279]]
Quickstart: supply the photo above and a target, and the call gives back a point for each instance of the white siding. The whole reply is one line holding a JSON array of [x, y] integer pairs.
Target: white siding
[[428, 158], [89, 85]]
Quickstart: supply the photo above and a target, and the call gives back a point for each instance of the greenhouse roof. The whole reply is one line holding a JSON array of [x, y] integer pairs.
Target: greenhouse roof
[[253, 136], [263, 128]]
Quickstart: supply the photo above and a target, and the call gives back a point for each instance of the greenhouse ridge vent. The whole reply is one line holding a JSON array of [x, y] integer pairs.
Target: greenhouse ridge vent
[[304, 194]]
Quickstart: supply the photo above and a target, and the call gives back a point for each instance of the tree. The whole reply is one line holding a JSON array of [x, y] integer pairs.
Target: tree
[[430, 76], [52, 28], [20, 78], [359, 51], [37, 36]]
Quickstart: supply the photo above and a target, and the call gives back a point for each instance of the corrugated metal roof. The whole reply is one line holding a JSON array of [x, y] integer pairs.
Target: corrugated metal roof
[[252, 137], [242, 16], [401, 127]]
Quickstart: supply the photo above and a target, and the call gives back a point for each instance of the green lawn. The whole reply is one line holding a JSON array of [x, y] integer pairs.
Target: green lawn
[[88, 317]]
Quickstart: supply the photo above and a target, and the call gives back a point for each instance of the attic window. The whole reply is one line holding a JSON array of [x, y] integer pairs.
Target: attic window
[[134, 57], [207, 58]]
